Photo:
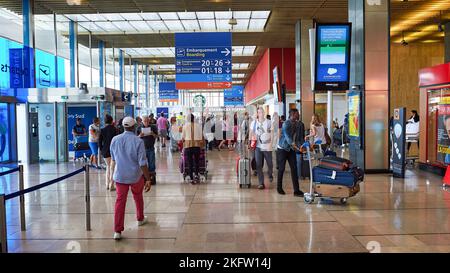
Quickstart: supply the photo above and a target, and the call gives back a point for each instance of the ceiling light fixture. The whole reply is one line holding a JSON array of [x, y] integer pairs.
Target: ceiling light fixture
[[74, 2], [232, 22], [404, 42]]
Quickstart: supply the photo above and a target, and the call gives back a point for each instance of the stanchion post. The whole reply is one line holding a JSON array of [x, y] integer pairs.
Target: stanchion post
[[22, 200], [87, 192], [3, 232]]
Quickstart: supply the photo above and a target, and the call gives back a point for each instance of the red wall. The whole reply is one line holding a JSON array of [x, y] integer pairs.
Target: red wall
[[284, 58], [261, 81]]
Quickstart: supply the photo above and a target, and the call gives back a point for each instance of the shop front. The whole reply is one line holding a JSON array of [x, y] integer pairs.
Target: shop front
[[434, 153]]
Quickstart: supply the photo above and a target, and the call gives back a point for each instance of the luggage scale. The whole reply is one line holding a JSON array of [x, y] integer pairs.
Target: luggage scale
[[309, 197]]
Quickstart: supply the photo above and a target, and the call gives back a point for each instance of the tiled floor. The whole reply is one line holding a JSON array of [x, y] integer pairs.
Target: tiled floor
[[388, 215]]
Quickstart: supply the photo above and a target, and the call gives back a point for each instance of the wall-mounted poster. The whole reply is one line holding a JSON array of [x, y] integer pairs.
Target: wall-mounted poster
[[443, 134], [353, 114]]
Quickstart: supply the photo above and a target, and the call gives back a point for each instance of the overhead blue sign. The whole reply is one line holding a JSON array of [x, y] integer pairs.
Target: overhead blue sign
[[234, 96], [168, 92], [160, 110], [332, 56], [203, 60]]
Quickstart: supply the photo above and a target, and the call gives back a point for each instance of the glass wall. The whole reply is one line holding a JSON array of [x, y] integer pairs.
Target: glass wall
[[63, 50], [84, 56], [95, 64], [109, 67]]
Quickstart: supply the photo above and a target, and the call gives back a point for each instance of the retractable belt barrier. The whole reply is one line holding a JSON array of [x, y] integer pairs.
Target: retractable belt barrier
[[43, 185], [10, 171], [22, 192]]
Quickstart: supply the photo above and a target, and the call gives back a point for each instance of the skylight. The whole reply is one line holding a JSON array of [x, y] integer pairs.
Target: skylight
[[150, 22]]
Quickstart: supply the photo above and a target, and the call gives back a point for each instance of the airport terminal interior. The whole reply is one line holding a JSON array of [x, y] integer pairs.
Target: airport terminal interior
[[346, 99]]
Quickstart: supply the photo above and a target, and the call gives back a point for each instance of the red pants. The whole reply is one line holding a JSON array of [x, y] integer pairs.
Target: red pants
[[121, 201]]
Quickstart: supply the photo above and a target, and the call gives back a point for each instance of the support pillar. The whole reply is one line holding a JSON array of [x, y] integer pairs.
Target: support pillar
[[369, 76], [73, 46], [101, 62], [29, 80], [121, 71], [304, 93], [136, 84]]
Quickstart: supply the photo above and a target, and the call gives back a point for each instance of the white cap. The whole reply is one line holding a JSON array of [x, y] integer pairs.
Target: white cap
[[128, 122]]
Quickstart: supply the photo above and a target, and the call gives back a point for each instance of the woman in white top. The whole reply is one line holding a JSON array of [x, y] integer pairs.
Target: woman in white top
[[94, 133], [317, 130], [261, 130]]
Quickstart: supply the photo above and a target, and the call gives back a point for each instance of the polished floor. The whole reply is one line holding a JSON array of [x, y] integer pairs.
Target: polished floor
[[388, 215]]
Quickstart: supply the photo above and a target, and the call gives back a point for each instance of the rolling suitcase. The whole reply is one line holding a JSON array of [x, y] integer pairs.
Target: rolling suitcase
[[303, 166], [335, 163], [333, 177], [244, 170]]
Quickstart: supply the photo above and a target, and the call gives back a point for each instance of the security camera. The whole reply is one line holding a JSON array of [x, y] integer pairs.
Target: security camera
[[83, 88], [356, 87], [297, 101], [404, 42]]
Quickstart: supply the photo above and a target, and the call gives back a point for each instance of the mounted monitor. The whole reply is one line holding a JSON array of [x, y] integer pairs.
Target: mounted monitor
[[332, 59]]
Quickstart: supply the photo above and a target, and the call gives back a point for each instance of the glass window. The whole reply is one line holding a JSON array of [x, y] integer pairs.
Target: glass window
[[95, 64], [84, 56], [109, 67], [438, 123], [11, 24], [63, 50]]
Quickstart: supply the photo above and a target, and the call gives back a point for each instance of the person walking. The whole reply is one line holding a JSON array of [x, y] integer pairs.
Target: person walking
[[131, 171], [291, 138], [148, 133], [162, 129], [193, 140], [262, 131], [107, 133], [94, 133]]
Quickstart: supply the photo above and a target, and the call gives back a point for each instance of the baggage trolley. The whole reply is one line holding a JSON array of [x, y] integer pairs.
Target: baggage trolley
[[326, 190]]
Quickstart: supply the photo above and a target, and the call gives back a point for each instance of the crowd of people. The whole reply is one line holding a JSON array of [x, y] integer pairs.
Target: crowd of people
[[128, 148]]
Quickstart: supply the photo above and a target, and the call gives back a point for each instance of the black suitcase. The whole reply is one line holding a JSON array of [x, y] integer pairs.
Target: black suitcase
[[303, 170], [335, 163]]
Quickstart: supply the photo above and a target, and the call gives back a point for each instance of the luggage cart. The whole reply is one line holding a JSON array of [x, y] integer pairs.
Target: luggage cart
[[325, 190]]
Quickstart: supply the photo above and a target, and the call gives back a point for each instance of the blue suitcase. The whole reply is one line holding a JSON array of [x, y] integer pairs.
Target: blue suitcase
[[332, 177]]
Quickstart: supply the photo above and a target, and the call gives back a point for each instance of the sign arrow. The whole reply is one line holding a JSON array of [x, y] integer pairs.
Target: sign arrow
[[228, 71], [226, 51], [228, 61], [228, 84]]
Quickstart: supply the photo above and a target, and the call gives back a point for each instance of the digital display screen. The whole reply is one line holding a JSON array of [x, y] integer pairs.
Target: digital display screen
[[332, 56]]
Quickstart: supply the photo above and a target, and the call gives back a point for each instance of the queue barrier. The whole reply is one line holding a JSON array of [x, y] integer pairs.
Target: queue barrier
[[22, 192]]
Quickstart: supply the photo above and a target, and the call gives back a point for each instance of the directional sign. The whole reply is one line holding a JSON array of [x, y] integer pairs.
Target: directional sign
[[168, 92], [203, 60], [234, 96]]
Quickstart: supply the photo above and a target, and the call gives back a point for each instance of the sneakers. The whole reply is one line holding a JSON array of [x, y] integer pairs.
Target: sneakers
[[117, 236], [281, 191], [143, 222], [261, 187]]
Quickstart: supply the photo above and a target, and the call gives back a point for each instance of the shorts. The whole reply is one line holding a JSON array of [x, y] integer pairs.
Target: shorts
[[163, 132], [94, 147]]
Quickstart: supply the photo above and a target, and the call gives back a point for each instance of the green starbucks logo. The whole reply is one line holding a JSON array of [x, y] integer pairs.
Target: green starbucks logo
[[199, 101]]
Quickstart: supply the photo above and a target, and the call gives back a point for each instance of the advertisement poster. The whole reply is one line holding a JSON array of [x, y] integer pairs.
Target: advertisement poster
[[332, 56], [353, 113], [443, 138], [399, 143], [86, 113]]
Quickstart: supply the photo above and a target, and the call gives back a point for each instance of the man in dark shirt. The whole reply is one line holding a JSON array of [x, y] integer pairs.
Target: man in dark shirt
[[148, 133]]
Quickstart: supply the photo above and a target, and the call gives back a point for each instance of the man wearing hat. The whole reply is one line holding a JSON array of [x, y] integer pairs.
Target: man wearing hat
[[131, 171]]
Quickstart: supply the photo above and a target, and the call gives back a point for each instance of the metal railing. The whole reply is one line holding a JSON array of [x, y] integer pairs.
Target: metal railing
[[22, 192]]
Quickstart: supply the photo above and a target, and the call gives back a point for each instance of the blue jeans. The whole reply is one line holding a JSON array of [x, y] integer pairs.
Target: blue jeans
[[151, 160]]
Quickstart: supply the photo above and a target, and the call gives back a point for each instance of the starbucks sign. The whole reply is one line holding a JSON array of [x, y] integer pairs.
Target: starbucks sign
[[199, 101]]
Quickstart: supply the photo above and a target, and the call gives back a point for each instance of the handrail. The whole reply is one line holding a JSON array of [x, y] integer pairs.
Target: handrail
[[22, 192]]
